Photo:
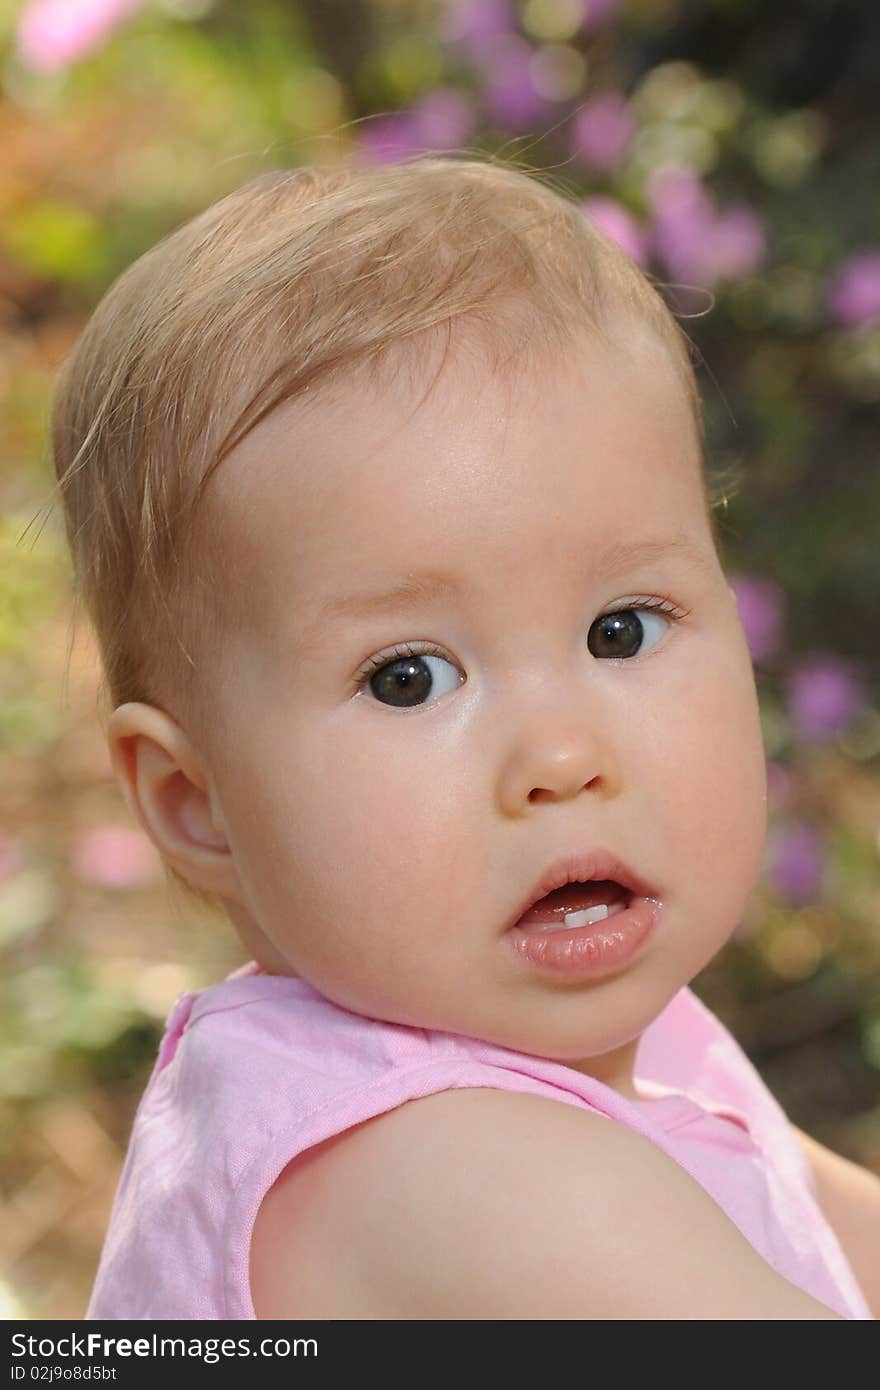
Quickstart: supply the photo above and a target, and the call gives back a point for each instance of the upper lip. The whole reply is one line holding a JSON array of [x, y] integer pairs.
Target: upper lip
[[578, 867]]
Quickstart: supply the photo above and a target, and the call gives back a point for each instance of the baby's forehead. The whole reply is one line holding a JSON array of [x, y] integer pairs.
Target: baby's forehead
[[447, 375], [344, 459], [346, 413]]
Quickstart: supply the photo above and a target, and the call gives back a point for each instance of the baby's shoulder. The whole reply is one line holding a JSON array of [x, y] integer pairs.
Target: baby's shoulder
[[325, 1225], [387, 1190], [476, 1202], [311, 1222]]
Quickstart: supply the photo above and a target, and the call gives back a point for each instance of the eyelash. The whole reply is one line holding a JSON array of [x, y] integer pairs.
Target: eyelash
[[375, 663]]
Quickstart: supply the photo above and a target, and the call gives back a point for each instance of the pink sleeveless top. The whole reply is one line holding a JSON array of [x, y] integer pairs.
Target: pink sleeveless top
[[255, 1070]]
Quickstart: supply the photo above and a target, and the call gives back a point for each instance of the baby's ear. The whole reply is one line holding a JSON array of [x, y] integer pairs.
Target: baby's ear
[[165, 783]]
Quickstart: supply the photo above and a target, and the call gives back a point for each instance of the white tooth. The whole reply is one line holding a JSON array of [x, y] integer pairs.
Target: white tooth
[[587, 916]]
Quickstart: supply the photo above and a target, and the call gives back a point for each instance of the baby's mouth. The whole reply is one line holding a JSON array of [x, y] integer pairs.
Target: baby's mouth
[[577, 905]]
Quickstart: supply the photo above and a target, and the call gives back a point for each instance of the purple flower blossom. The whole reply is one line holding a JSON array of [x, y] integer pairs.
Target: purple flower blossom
[[444, 119], [737, 243], [678, 195], [824, 695], [618, 223], [854, 291], [683, 213], [797, 861], [476, 25], [509, 91], [761, 605], [602, 131], [54, 33], [693, 239], [388, 138]]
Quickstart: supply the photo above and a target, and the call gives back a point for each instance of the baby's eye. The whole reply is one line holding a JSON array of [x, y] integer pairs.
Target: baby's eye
[[404, 677], [619, 633]]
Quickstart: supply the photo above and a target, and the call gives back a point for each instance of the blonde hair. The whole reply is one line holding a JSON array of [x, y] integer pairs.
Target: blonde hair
[[280, 286]]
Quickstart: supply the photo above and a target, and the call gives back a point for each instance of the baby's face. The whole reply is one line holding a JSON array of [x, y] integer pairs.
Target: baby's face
[[384, 830]]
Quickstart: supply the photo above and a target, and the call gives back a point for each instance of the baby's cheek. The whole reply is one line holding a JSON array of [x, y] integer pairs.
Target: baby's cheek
[[730, 778]]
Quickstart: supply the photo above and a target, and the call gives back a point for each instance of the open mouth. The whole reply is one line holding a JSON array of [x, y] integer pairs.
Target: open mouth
[[577, 904]]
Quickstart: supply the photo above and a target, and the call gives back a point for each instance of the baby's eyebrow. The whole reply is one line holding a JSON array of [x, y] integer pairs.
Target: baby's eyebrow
[[407, 593]]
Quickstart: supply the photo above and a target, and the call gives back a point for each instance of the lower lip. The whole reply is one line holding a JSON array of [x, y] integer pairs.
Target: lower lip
[[589, 952]]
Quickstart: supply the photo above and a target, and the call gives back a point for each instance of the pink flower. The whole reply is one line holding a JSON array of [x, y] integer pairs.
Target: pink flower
[[509, 91], [854, 291], [388, 138], [683, 213], [477, 24], [677, 194], [55, 33], [616, 222], [737, 243], [824, 695], [602, 131], [761, 605], [693, 239], [444, 119], [114, 855]]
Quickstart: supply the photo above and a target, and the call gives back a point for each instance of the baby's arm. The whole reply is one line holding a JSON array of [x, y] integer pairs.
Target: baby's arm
[[485, 1204], [849, 1196]]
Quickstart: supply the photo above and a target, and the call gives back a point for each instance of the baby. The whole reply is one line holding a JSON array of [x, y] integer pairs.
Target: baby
[[385, 495]]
